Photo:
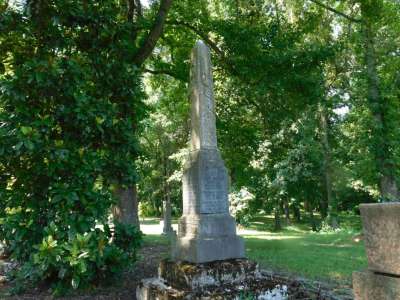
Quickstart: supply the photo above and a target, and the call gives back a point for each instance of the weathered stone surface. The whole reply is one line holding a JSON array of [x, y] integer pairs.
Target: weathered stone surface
[[194, 276], [206, 230], [207, 250], [208, 237], [205, 184], [231, 279], [203, 135], [207, 226], [371, 286], [154, 289], [381, 225], [157, 289], [234, 279]]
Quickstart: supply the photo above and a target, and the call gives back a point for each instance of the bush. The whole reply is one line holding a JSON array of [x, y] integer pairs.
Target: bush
[[70, 106], [83, 259]]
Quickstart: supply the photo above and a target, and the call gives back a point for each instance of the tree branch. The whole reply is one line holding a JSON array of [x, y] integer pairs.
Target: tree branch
[[139, 9], [335, 11], [130, 9], [166, 72], [202, 35], [148, 46]]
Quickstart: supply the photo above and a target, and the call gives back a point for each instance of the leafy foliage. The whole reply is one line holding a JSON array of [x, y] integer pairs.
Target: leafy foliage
[[83, 259], [71, 102]]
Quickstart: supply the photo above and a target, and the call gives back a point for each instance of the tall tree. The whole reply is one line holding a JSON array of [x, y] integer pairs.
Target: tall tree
[[127, 209], [372, 17]]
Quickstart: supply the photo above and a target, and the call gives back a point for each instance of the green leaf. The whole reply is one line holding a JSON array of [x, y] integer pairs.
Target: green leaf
[[75, 282], [29, 145], [26, 130]]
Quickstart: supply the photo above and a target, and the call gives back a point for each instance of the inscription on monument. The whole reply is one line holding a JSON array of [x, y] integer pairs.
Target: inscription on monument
[[214, 191]]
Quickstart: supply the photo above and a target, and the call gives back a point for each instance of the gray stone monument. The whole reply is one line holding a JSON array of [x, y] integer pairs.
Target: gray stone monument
[[206, 230], [207, 257]]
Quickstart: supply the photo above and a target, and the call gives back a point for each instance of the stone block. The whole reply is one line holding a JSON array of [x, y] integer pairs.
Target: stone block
[[232, 279], [381, 225], [368, 285], [205, 183], [207, 226], [156, 289], [197, 276], [201, 250]]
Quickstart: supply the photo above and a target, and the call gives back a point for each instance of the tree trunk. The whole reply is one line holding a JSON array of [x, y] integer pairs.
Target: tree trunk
[[167, 223], [287, 212], [310, 210], [126, 211], [296, 213], [312, 221], [167, 218], [388, 186], [277, 213], [329, 207], [154, 34], [327, 199]]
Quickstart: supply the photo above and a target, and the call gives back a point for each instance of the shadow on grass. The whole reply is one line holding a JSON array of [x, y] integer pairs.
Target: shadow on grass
[[154, 221], [322, 256], [348, 222]]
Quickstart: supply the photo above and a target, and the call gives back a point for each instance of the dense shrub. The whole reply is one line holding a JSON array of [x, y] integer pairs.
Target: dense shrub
[[70, 104], [82, 259]]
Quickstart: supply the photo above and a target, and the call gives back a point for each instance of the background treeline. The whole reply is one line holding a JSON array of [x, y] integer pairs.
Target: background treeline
[[94, 118], [307, 97]]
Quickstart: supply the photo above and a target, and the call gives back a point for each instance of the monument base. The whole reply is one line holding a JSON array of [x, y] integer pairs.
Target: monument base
[[368, 285], [230, 279], [206, 238], [209, 249]]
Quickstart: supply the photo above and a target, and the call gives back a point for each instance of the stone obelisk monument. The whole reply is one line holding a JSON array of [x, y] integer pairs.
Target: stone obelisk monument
[[207, 257], [206, 230]]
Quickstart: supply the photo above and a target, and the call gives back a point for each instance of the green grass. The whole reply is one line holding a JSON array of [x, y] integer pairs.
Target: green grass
[[155, 239], [325, 256]]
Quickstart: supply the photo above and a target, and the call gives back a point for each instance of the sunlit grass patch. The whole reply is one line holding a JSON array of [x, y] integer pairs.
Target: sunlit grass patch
[[314, 255]]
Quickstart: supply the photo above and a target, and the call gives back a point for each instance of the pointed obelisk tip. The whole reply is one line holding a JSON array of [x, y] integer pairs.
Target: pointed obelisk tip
[[204, 134], [200, 46]]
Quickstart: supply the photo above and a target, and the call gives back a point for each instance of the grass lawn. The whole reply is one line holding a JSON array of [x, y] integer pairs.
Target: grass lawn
[[331, 256], [326, 256]]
